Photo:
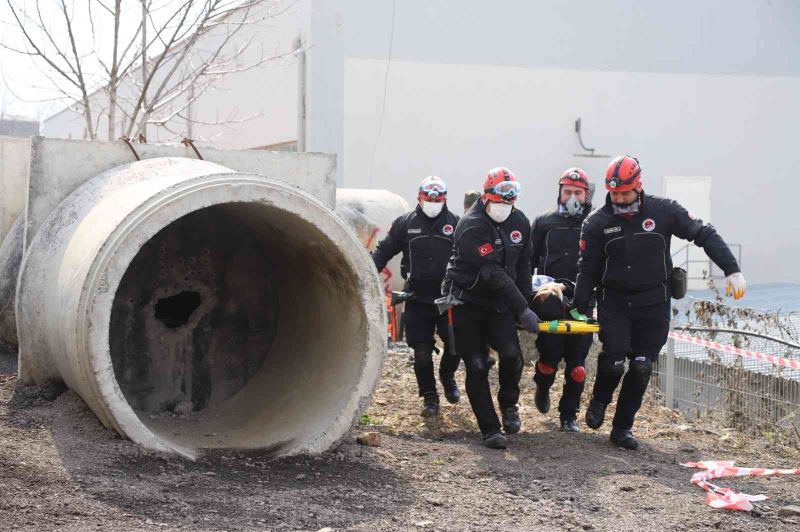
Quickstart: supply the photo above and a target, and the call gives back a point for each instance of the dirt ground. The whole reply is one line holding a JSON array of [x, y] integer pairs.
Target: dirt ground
[[60, 469]]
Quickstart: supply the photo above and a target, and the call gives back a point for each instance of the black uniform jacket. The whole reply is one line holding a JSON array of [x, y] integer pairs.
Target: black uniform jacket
[[555, 239], [630, 258], [491, 262], [426, 243]]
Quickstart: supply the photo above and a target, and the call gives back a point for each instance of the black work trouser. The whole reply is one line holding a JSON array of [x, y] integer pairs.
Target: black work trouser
[[477, 329], [422, 321], [634, 332], [572, 349]]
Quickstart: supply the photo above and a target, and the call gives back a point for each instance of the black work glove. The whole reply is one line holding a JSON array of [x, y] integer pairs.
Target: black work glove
[[529, 321]]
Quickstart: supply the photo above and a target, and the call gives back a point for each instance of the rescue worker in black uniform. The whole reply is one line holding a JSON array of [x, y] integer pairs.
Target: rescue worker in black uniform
[[555, 237], [489, 275], [425, 237], [625, 255], [470, 197]]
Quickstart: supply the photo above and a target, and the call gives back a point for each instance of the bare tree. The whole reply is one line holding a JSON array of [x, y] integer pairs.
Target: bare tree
[[140, 62]]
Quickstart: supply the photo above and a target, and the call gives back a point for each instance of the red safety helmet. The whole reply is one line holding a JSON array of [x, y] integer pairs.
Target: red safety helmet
[[623, 174], [501, 186], [575, 177]]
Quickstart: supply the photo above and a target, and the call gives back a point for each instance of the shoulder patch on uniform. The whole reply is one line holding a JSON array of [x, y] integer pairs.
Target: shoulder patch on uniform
[[649, 224], [447, 229], [516, 236], [414, 231], [485, 249], [582, 244], [610, 230]]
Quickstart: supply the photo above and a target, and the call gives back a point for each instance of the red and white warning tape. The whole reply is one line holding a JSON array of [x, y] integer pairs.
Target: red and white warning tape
[[794, 364], [726, 498]]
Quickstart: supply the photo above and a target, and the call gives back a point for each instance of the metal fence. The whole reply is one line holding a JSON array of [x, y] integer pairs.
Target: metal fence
[[725, 389], [731, 390]]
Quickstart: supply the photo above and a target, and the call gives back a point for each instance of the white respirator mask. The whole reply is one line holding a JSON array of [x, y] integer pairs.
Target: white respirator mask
[[431, 208], [499, 212]]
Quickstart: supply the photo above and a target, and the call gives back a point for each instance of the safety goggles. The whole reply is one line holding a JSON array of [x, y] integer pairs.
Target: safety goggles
[[508, 190], [433, 190]]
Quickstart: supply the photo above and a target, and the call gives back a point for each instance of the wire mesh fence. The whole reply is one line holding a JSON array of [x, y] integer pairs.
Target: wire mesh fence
[[725, 389], [729, 389]]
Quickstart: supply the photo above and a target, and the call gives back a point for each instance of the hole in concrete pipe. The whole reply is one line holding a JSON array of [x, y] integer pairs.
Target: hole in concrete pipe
[[268, 356], [174, 311]]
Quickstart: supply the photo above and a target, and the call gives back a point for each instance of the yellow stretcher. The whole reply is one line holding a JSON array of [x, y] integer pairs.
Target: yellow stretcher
[[568, 327]]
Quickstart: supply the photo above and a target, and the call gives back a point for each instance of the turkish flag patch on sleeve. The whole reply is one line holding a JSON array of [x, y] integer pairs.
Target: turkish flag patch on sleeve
[[485, 249], [583, 244]]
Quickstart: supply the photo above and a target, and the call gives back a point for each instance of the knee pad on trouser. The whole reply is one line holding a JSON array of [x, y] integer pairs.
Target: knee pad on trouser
[[577, 374], [634, 385], [640, 370], [509, 374], [574, 382], [545, 373], [423, 369], [476, 366], [609, 372], [423, 352]]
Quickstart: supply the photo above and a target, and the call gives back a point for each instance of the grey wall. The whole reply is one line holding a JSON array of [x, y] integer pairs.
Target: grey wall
[[15, 160], [753, 37], [15, 127], [325, 92], [691, 88]]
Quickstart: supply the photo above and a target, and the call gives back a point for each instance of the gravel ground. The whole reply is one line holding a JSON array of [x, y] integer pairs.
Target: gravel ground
[[60, 469]]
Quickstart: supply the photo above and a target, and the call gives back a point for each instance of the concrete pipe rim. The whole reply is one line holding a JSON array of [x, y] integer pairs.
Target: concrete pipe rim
[[177, 201]]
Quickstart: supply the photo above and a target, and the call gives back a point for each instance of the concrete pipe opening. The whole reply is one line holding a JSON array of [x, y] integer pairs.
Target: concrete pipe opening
[[237, 314]]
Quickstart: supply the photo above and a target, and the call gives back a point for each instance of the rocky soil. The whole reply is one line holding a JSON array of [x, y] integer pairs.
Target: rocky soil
[[61, 470]]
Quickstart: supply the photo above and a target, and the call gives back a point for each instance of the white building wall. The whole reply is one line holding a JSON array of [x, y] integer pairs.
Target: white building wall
[[691, 88], [458, 121]]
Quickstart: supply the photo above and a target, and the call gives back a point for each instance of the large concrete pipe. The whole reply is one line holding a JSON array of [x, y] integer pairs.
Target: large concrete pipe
[[193, 307], [371, 213]]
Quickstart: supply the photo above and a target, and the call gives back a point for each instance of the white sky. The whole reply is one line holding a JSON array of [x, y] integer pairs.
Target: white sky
[[24, 85]]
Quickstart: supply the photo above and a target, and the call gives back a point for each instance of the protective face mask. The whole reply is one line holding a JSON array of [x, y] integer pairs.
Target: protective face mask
[[499, 212], [572, 207], [432, 209], [626, 210]]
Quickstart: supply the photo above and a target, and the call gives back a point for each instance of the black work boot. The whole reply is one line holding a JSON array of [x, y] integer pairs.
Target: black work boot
[[495, 440], [542, 398], [624, 439], [450, 386], [595, 414], [569, 425], [511, 422], [430, 406]]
